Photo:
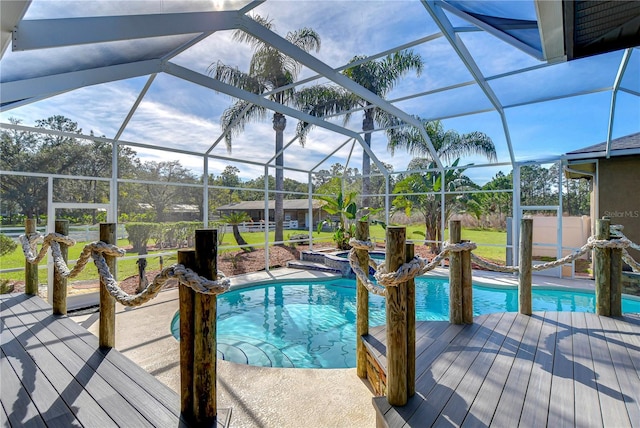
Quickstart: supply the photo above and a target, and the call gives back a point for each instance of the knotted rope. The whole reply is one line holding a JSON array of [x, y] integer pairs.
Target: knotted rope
[[616, 230], [97, 250], [178, 272], [30, 245], [417, 266]]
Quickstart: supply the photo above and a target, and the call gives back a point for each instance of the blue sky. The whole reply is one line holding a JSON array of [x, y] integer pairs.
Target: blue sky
[[178, 114]]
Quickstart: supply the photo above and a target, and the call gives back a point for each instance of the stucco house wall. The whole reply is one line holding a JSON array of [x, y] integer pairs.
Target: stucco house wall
[[619, 194]]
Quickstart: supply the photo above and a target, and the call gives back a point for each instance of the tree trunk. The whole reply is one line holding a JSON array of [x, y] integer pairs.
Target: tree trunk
[[367, 127], [239, 239], [279, 125]]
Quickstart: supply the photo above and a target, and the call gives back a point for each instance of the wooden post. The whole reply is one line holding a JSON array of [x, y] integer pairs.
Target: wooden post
[[467, 286], [396, 321], [187, 258], [362, 302], [59, 282], [525, 260], [602, 269], [107, 328], [615, 280], [411, 326], [455, 275], [204, 336], [30, 269]]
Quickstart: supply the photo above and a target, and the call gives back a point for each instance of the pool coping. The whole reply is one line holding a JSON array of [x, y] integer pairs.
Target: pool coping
[[480, 278]]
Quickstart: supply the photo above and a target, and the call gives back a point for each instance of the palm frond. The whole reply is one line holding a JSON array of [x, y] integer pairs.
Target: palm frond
[[305, 38], [244, 37], [321, 101], [233, 76], [237, 116], [395, 66]]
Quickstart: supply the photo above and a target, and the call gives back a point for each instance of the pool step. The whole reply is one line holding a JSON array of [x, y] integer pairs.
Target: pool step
[[321, 267], [251, 351]]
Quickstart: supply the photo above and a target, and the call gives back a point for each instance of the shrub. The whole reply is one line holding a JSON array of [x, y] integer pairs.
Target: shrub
[[139, 235], [7, 245]]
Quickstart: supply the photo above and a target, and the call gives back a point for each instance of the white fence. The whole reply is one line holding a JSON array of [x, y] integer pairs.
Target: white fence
[[258, 226], [80, 233]]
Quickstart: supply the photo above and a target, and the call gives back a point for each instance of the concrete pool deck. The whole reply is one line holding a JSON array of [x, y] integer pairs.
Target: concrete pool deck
[[261, 396]]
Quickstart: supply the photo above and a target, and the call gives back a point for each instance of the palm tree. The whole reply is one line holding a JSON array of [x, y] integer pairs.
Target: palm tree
[[269, 70], [379, 77], [450, 146], [235, 219]]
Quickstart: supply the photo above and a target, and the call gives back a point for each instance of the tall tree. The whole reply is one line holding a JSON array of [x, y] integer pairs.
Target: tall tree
[[379, 77], [162, 196], [449, 146], [269, 70]]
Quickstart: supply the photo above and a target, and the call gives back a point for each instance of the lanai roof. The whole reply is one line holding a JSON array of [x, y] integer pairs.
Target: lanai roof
[[623, 145], [524, 72]]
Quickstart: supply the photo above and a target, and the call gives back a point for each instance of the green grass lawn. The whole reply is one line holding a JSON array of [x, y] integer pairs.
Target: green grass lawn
[[128, 267]]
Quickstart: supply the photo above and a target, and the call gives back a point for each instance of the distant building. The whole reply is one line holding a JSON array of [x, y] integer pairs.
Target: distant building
[[294, 210], [176, 212]]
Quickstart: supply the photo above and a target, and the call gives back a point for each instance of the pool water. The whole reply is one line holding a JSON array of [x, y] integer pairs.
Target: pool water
[[312, 324]]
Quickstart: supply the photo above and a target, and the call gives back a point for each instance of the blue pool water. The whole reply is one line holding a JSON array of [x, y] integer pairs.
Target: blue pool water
[[312, 324]]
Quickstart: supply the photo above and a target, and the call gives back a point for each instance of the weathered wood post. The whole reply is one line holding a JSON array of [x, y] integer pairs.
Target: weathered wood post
[[187, 258], [362, 302], [107, 328], [615, 280], [602, 269], [396, 320], [455, 275], [524, 271], [30, 269], [204, 336], [411, 326], [60, 282], [467, 286]]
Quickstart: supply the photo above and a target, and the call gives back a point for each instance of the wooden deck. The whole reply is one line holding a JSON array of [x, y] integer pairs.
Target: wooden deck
[[54, 374], [507, 369]]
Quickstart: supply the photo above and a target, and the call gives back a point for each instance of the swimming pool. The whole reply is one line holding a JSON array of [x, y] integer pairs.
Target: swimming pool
[[312, 324]]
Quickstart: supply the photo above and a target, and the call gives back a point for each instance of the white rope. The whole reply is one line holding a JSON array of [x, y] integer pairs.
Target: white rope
[[30, 245], [183, 275], [418, 266], [616, 230], [635, 266]]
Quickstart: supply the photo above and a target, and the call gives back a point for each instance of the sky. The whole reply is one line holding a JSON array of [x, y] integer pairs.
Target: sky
[[178, 114]]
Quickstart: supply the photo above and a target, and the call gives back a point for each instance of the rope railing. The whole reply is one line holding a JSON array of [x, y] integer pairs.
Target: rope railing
[[177, 271], [416, 267], [419, 266], [616, 230], [97, 250]]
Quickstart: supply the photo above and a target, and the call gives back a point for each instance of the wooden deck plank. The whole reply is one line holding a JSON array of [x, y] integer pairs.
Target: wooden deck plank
[[561, 403], [154, 400], [631, 338], [59, 353], [536, 404], [622, 362], [486, 401], [449, 398], [549, 369], [4, 418], [52, 409], [614, 412], [425, 387], [511, 400], [16, 403], [85, 408], [77, 383], [584, 385]]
